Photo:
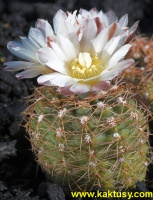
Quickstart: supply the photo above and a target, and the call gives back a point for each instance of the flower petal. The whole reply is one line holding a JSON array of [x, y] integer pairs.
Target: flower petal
[[99, 24], [38, 37], [42, 68], [134, 27], [56, 79], [44, 78], [108, 75], [58, 51], [122, 41], [47, 56], [80, 88], [93, 12], [75, 38], [89, 33], [16, 65], [116, 70], [131, 32], [123, 21], [111, 45], [120, 66], [44, 27], [102, 85], [111, 16], [66, 91], [118, 55], [84, 13], [100, 41], [59, 23], [62, 80], [67, 47], [30, 44], [113, 30], [28, 74], [19, 50], [103, 18]]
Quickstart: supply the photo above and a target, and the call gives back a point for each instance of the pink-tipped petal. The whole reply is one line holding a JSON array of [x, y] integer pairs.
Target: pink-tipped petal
[[102, 85], [99, 24], [131, 32], [113, 30], [66, 91], [80, 88], [129, 38], [44, 27]]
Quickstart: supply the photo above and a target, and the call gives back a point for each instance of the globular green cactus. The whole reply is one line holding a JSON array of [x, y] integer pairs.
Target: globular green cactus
[[87, 141]]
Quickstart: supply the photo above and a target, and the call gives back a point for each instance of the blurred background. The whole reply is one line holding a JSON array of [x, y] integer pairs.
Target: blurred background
[[20, 177]]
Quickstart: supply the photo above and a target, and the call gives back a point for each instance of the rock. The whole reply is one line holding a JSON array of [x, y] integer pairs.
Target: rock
[[7, 149], [2, 187], [53, 191]]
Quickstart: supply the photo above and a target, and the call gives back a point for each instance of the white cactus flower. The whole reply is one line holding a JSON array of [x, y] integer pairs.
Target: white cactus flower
[[83, 53]]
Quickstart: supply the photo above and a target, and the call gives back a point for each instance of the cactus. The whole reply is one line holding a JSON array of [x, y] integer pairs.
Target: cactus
[[90, 140], [140, 73]]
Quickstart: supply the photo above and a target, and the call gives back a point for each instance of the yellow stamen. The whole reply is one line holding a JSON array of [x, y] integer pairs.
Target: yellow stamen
[[85, 66]]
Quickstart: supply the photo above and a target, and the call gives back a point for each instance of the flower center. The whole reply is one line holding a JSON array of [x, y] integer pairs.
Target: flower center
[[85, 66]]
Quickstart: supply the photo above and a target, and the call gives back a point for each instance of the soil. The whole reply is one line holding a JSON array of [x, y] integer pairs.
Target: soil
[[20, 176]]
